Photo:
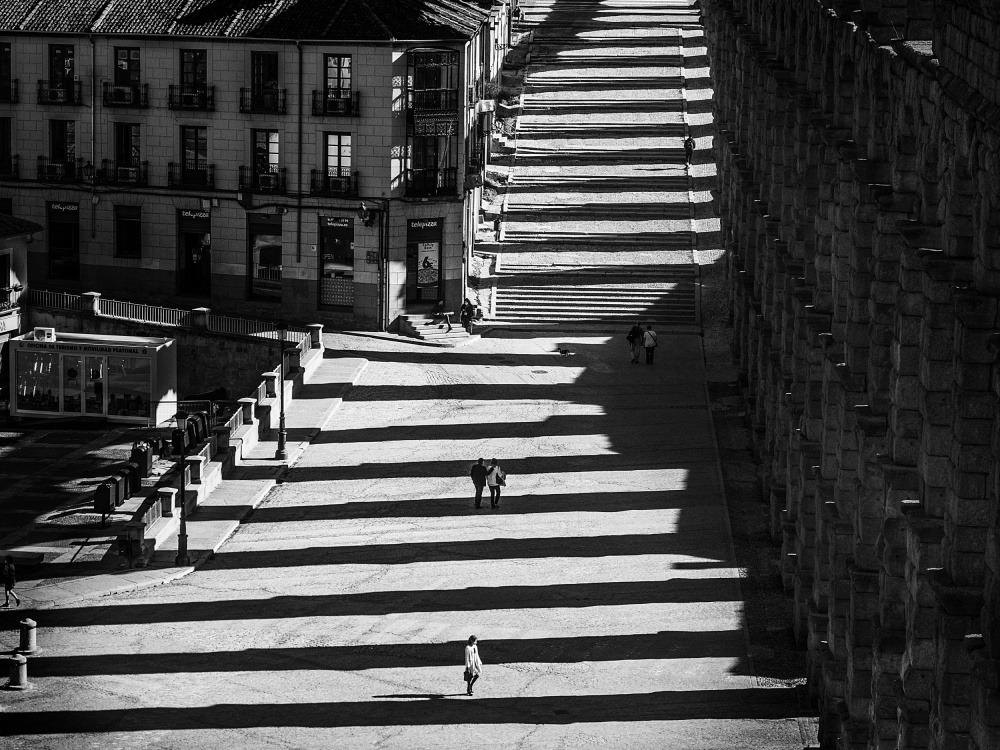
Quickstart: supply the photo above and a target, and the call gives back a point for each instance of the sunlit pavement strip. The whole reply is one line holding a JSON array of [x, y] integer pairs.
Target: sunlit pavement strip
[[603, 590]]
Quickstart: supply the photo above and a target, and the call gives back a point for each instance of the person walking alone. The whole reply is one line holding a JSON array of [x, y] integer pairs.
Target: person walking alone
[[473, 665], [649, 342], [689, 146], [634, 340], [496, 227], [495, 478], [465, 315], [9, 581], [479, 480]]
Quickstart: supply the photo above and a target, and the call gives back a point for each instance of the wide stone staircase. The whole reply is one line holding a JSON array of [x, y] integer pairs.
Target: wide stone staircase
[[600, 221]]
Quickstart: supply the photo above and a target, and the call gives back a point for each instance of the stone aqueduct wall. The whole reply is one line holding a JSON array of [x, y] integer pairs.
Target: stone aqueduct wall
[[859, 164]]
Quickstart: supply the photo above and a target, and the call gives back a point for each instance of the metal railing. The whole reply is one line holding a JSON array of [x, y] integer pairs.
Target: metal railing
[[59, 171], [428, 182], [336, 102], [10, 168], [9, 95], [186, 177], [179, 97], [333, 181], [168, 316], [60, 92], [125, 95], [270, 180], [262, 100], [123, 172], [434, 100], [55, 300]]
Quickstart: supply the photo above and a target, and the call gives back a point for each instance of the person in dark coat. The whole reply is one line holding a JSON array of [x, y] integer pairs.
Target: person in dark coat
[[465, 314], [634, 339], [9, 581], [689, 146], [479, 480], [439, 313], [496, 228]]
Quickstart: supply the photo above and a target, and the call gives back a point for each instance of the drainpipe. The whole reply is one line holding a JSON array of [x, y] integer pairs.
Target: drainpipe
[[93, 136], [298, 169], [384, 284]]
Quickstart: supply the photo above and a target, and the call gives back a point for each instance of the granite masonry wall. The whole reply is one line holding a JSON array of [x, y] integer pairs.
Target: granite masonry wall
[[858, 150]]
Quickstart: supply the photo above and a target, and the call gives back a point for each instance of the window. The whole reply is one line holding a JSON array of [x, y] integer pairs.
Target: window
[[5, 154], [7, 206], [62, 68], [194, 142], [62, 141], [264, 71], [194, 71], [337, 74], [266, 154], [6, 82], [435, 80], [128, 231], [338, 154], [127, 144], [127, 66], [63, 234], [264, 232]]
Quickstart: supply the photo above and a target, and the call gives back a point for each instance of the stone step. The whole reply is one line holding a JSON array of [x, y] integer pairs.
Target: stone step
[[676, 269], [529, 212], [670, 240]]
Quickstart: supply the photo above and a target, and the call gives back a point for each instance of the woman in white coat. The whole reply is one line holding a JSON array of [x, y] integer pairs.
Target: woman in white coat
[[473, 666], [495, 479]]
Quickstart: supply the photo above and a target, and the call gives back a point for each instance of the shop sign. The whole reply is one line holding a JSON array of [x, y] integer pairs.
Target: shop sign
[[332, 221], [423, 224], [188, 214], [65, 207], [84, 348]]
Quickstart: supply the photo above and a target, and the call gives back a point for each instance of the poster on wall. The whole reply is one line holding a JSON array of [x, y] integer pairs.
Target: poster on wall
[[427, 263]]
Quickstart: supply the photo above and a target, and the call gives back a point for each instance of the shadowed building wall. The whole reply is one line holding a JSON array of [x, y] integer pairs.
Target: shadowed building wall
[[858, 164]]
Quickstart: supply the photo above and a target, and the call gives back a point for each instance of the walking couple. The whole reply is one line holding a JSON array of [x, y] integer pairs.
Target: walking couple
[[493, 477], [639, 339]]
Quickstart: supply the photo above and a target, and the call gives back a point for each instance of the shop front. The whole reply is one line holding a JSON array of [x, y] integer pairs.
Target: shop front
[[423, 260], [336, 263], [119, 378]]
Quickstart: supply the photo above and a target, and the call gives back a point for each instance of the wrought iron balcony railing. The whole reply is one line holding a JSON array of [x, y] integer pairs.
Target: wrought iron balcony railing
[[10, 168], [430, 182], [8, 94], [337, 102], [180, 97], [271, 180], [262, 100], [434, 100], [129, 95], [181, 176], [123, 172], [333, 181], [70, 170], [60, 92]]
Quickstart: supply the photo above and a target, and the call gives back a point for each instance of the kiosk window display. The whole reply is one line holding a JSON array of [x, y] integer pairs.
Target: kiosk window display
[[121, 378]]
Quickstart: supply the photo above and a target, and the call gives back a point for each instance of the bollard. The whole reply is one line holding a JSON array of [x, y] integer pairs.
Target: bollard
[[18, 673], [29, 644], [315, 335], [168, 500]]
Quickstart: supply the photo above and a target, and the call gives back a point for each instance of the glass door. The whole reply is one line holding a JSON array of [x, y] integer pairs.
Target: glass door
[[94, 389], [72, 395]]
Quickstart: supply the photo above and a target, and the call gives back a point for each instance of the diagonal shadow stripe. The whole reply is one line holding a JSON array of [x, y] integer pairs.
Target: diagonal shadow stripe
[[695, 544], [376, 603], [558, 709], [672, 644], [580, 502]]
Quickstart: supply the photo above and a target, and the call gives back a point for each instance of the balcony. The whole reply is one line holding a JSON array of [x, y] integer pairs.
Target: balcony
[[435, 101], [8, 94], [59, 171], [334, 181], [262, 100], [431, 182], [60, 92], [128, 95], [270, 180], [10, 312], [203, 99], [179, 176], [343, 102], [10, 168], [123, 172]]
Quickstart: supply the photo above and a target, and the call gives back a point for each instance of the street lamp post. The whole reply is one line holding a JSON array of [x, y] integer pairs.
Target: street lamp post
[[281, 453], [180, 442]]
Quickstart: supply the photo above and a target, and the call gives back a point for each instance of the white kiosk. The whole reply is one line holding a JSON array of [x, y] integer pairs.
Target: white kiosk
[[119, 378]]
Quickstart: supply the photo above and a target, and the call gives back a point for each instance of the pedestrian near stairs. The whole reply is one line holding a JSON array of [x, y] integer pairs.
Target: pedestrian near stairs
[[9, 582], [473, 664], [649, 343], [465, 315], [496, 227], [689, 146], [479, 480], [634, 340], [495, 479]]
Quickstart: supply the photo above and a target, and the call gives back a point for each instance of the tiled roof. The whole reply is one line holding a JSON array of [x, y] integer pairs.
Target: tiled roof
[[11, 226], [372, 20]]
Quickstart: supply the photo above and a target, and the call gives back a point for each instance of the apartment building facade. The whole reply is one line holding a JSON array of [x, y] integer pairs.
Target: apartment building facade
[[305, 160]]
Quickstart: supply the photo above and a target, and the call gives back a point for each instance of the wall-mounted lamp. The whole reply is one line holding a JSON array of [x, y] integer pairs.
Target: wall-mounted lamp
[[88, 172], [366, 214]]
